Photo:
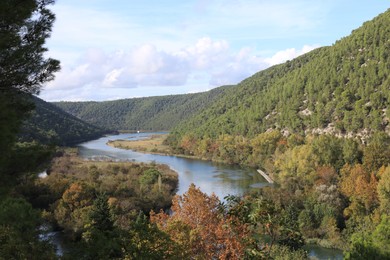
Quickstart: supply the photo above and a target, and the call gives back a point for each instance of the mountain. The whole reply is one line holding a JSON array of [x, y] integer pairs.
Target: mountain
[[149, 113], [342, 89], [49, 124]]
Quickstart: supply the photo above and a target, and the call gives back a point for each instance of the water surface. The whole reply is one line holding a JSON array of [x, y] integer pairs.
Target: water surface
[[210, 177]]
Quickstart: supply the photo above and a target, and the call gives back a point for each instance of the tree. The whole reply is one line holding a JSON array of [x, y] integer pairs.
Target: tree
[[18, 232], [24, 27], [371, 245], [377, 153], [360, 188], [146, 241], [198, 225], [100, 216], [101, 237], [383, 190], [73, 209]]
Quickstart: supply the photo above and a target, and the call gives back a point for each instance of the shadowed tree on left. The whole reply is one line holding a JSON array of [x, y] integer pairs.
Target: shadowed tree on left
[[24, 27]]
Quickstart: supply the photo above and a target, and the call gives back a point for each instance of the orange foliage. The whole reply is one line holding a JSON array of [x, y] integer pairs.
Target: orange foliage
[[197, 223], [359, 186], [76, 196], [326, 175], [188, 143]]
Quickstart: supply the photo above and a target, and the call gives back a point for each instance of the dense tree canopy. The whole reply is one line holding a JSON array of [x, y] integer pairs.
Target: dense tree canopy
[[24, 27], [330, 190], [149, 113], [341, 89], [50, 125]]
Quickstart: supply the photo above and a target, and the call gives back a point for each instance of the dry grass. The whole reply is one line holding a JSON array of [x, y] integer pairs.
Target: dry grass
[[154, 144]]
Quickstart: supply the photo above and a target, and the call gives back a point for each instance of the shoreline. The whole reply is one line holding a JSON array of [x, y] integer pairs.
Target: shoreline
[[147, 146], [110, 143], [153, 145]]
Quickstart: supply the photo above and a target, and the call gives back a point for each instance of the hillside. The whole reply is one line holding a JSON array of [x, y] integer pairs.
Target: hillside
[[49, 124], [149, 113], [342, 89]]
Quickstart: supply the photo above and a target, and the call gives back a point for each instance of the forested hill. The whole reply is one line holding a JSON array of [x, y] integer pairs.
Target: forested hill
[[49, 124], [342, 89], [150, 113]]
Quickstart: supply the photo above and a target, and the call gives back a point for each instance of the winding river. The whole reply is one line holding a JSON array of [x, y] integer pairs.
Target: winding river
[[208, 176]]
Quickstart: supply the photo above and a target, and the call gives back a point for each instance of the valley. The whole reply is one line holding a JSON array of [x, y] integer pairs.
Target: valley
[[178, 176]]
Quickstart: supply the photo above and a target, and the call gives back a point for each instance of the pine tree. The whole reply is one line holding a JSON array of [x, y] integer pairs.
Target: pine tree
[[24, 27]]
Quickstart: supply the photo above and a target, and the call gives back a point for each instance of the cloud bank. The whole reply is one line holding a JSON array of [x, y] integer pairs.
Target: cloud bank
[[207, 63]]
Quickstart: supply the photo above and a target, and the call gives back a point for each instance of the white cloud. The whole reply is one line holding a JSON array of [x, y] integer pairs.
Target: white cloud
[[111, 77], [205, 64], [289, 54]]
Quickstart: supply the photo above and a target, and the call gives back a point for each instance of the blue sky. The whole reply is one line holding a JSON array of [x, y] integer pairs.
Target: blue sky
[[124, 49]]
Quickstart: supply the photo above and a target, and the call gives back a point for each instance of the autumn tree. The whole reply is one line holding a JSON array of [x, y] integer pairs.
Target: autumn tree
[[198, 223], [73, 209], [360, 187], [296, 167], [264, 146], [144, 240]]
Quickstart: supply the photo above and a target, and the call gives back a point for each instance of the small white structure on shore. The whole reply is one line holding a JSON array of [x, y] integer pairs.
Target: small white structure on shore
[[266, 176]]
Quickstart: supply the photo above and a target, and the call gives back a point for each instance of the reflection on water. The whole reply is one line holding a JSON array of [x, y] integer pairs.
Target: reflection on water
[[210, 177], [322, 253]]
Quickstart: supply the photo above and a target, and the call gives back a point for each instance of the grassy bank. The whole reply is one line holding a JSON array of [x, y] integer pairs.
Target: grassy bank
[[154, 144]]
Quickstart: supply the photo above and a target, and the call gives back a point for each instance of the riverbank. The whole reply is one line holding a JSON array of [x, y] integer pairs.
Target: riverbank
[[153, 144], [219, 179]]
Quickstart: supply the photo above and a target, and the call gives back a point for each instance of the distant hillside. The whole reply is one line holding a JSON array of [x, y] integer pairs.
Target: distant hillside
[[150, 113], [49, 124], [342, 89]]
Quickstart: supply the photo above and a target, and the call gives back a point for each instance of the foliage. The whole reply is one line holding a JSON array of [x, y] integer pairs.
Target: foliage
[[340, 89], [371, 246], [330, 189], [24, 28], [377, 152], [360, 187], [284, 253], [148, 114], [74, 183], [100, 237], [50, 125], [18, 234], [146, 241], [383, 190], [198, 226]]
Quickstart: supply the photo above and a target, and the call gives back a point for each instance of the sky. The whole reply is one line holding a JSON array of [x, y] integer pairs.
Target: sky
[[136, 48]]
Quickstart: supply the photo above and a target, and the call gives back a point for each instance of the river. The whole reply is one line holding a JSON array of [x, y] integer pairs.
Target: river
[[208, 176]]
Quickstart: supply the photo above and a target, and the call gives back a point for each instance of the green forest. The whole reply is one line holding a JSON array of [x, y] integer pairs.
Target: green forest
[[48, 124], [318, 125], [146, 114], [343, 89]]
